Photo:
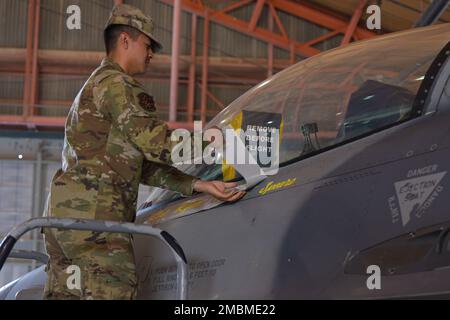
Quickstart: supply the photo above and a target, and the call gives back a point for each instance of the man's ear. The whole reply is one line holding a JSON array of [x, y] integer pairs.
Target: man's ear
[[123, 40]]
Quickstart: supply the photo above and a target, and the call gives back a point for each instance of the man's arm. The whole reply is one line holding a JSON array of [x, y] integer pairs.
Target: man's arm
[[167, 177], [133, 112]]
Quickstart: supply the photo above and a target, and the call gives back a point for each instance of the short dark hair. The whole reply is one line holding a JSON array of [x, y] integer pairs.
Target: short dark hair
[[112, 33]]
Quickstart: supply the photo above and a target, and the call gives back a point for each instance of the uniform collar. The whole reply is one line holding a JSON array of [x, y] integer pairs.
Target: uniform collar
[[109, 62]]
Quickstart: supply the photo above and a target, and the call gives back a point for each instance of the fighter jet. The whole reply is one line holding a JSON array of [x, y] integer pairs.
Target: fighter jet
[[358, 206]]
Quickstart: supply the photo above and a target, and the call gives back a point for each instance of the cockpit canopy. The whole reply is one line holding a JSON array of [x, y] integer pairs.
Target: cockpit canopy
[[345, 92]]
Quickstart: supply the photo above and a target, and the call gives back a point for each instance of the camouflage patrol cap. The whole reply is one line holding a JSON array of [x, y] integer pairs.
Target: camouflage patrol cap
[[124, 14]]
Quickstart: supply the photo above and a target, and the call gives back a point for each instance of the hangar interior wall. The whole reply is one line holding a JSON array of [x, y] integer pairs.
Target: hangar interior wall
[[24, 187]]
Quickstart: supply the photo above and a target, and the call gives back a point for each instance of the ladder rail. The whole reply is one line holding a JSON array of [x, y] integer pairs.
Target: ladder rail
[[29, 255], [103, 226]]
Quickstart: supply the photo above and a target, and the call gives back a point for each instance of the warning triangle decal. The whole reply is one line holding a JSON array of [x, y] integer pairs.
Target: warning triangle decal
[[412, 193]]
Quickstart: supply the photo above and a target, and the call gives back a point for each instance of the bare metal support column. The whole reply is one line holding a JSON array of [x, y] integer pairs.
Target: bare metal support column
[[204, 100], [29, 58], [353, 22], [192, 66], [34, 69], [37, 191], [175, 57], [270, 47]]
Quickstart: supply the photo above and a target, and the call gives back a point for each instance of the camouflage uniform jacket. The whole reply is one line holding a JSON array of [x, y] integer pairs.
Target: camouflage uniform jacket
[[113, 142]]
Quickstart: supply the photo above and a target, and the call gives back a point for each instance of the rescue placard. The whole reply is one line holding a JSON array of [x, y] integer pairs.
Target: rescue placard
[[260, 133], [261, 129]]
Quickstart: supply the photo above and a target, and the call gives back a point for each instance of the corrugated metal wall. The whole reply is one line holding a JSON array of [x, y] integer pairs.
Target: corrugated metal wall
[[94, 13], [13, 23], [16, 189], [60, 87], [54, 33], [11, 87], [17, 182]]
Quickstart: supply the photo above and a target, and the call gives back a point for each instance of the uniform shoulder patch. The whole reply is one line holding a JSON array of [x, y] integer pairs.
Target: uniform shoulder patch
[[146, 101]]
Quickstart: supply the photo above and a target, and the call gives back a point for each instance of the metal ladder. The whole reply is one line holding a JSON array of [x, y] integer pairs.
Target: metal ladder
[[97, 225]]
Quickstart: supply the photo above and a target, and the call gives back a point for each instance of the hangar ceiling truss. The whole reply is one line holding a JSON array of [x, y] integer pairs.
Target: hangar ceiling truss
[[278, 36]]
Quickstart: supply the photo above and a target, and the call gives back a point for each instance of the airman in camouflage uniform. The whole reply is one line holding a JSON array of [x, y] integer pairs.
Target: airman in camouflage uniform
[[113, 142]]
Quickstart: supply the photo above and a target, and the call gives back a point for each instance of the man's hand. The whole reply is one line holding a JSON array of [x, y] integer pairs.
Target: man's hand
[[220, 190]]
